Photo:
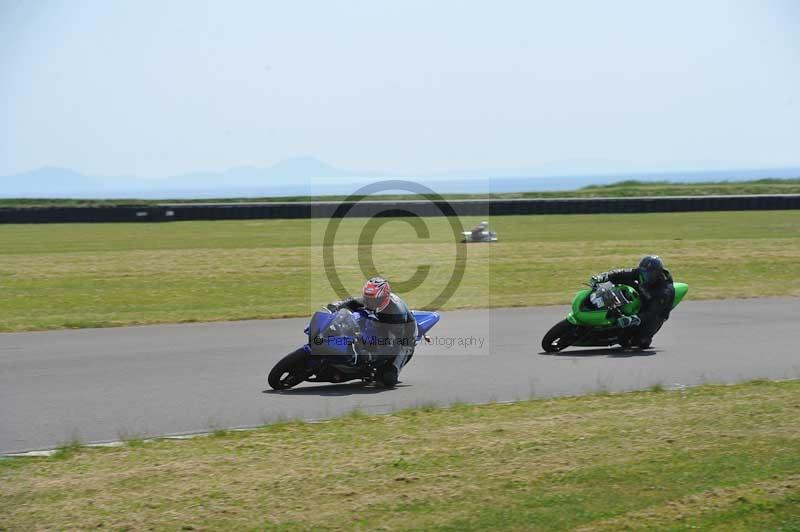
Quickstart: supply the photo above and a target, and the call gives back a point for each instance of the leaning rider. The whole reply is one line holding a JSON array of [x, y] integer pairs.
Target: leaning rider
[[397, 324], [653, 282], [478, 230]]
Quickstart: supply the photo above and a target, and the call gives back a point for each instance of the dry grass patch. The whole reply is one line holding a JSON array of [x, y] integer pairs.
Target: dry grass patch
[[599, 462], [75, 275]]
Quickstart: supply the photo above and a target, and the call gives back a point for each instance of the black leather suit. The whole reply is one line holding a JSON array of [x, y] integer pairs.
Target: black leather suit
[[656, 298], [395, 323]]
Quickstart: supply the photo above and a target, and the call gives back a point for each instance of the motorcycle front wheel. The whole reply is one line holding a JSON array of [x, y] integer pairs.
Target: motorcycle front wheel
[[562, 335], [289, 371]]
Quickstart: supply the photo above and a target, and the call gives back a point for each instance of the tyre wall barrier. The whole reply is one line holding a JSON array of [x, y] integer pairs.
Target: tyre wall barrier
[[496, 207]]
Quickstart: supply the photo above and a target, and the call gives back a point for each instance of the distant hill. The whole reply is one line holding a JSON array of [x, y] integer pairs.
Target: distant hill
[[304, 176], [285, 177], [46, 180], [623, 189]]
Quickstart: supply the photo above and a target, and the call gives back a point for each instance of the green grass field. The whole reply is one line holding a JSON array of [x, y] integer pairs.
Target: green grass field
[[83, 275], [629, 188], [711, 458]]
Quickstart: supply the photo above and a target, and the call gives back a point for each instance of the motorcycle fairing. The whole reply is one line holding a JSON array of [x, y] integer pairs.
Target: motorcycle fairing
[[680, 292], [584, 313], [425, 321]]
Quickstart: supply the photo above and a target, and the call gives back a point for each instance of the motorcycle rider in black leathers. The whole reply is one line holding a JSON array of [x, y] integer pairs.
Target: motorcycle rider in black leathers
[[396, 325], [653, 282], [478, 230]]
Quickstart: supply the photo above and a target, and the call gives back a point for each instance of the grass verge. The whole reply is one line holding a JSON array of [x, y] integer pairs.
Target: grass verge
[[620, 189], [96, 275], [713, 457]]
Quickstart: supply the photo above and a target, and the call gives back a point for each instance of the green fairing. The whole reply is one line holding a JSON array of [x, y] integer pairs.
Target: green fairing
[[680, 292], [599, 317]]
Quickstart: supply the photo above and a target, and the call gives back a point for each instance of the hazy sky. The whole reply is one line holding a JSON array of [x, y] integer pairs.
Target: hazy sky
[[156, 88]]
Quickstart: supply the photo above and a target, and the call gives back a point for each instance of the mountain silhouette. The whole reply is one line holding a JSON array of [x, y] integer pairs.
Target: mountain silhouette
[[308, 175]]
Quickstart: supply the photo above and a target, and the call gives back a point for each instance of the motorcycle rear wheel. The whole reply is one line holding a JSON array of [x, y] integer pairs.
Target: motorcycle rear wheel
[[289, 371], [562, 335]]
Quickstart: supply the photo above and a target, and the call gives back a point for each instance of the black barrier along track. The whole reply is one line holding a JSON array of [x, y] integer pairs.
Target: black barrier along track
[[496, 207]]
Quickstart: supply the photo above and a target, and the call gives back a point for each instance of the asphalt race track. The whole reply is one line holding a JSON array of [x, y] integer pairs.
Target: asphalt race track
[[110, 384]]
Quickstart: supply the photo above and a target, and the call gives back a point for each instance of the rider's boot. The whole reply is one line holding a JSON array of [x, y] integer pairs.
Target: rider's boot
[[389, 375], [644, 343]]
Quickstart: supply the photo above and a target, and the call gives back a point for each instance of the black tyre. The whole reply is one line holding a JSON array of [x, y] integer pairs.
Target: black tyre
[[562, 335], [289, 371]]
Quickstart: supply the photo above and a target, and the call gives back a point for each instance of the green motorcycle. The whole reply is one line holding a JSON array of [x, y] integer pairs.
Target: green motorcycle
[[593, 320]]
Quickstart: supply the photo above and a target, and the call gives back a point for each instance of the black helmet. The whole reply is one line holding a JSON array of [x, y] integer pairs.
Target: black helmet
[[651, 268]]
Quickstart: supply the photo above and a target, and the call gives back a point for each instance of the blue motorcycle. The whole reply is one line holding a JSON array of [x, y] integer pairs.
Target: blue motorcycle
[[344, 346]]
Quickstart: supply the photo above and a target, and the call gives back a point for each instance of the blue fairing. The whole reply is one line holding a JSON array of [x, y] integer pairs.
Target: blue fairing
[[425, 321], [321, 321], [329, 344]]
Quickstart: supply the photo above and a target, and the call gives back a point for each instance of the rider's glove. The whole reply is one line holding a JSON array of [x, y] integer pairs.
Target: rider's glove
[[628, 321], [596, 280], [333, 308]]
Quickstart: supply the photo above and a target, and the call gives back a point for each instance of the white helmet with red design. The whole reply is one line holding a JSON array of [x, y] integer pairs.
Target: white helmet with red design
[[377, 294]]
